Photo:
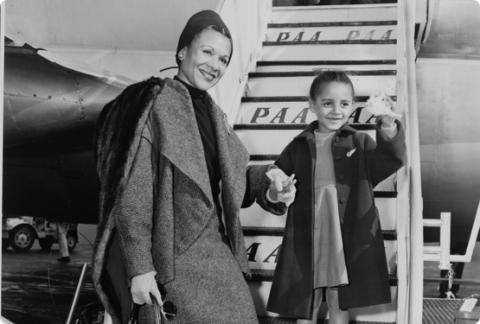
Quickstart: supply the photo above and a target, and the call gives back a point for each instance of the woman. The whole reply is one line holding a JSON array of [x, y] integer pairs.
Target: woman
[[173, 178]]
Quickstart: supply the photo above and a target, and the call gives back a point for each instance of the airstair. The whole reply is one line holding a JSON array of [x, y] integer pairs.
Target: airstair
[[298, 43]]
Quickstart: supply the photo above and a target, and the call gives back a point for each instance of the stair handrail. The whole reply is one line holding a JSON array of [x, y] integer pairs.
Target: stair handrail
[[413, 296], [247, 21]]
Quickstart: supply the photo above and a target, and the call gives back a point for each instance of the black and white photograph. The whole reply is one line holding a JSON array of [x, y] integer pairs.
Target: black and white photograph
[[240, 161]]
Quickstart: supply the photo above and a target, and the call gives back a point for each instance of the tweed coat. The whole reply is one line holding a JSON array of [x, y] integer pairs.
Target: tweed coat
[[359, 164], [184, 206]]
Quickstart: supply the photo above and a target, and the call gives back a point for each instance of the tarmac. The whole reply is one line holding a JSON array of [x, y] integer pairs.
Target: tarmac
[[37, 289]]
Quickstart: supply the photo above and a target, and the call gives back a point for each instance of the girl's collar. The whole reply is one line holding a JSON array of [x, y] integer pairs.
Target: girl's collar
[[308, 132]]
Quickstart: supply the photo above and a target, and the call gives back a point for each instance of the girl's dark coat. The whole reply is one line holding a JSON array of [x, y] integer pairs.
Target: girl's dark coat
[[360, 164]]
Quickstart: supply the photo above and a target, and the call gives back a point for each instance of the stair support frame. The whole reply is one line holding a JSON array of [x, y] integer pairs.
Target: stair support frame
[[441, 253]]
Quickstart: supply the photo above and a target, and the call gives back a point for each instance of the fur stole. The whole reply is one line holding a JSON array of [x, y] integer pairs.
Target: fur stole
[[117, 137]]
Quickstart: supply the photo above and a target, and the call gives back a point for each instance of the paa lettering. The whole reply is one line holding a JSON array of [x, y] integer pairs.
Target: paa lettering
[[283, 36], [252, 252], [356, 34], [356, 117], [280, 117], [353, 34]]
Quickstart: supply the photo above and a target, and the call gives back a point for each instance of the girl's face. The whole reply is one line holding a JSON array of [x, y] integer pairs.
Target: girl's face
[[205, 59], [333, 106]]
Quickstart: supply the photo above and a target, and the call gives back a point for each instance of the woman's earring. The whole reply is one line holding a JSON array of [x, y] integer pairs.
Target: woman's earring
[[180, 57]]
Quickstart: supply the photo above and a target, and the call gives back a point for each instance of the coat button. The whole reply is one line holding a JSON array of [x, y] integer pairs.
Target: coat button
[[342, 200], [342, 177]]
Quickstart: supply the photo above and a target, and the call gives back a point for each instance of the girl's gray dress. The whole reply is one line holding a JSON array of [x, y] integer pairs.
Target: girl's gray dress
[[329, 266]]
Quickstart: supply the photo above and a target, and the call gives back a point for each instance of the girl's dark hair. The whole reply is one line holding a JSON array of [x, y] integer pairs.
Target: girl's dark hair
[[328, 77]]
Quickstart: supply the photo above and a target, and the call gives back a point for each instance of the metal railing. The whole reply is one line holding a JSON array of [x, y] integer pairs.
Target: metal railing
[[247, 22], [439, 253], [410, 229], [442, 253]]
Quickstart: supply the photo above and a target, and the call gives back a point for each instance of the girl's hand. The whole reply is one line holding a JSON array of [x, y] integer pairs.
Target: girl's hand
[[388, 118], [382, 107]]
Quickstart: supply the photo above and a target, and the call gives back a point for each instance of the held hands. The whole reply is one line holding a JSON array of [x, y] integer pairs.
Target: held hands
[[144, 286], [282, 187]]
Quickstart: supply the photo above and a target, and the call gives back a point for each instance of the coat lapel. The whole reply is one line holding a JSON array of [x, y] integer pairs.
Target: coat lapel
[[233, 160], [180, 140]]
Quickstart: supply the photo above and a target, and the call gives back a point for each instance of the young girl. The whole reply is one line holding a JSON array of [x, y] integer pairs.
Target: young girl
[[333, 238]]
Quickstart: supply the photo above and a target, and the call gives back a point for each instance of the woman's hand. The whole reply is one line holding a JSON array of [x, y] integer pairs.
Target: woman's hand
[[143, 286], [282, 188]]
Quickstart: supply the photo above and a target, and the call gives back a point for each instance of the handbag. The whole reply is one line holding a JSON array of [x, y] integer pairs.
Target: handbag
[[93, 313], [162, 314]]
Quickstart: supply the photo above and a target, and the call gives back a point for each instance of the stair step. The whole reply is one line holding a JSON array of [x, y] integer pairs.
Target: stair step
[[333, 42], [256, 217], [276, 66], [263, 252], [388, 235], [381, 314], [335, 31], [384, 12], [333, 24], [328, 62], [442, 311], [267, 275], [365, 83], [340, 50], [291, 126], [288, 74], [297, 98]]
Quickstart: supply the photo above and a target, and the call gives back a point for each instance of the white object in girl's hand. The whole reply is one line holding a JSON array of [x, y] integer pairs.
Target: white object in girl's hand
[[284, 185], [379, 105]]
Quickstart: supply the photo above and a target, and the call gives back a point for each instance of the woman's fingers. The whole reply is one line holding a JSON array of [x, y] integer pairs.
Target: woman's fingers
[[156, 295], [278, 182]]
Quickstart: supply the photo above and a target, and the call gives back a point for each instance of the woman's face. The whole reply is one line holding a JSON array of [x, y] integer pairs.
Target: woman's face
[[205, 60]]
